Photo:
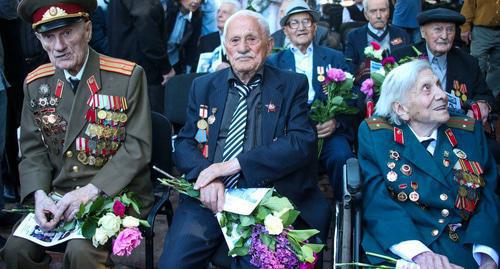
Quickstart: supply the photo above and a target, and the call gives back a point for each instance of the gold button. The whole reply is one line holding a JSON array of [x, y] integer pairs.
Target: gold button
[[443, 197], [435, 232], [445, 213], [69, 153], [75, 168], [441, 221]]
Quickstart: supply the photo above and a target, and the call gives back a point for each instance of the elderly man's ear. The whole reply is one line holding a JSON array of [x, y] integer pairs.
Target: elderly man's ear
[[401, 111], [270, 46]]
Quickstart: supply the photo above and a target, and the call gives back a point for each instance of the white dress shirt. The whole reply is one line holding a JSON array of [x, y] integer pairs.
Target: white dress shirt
[[304, 65], [346, 17]]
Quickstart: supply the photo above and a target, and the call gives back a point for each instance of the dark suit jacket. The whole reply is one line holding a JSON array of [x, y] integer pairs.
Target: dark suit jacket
[[322, 56], [188, 54], [136, 33], [460, 67], [209, 42], [390, 220], [320, 38], [357, 41], [287, 154]]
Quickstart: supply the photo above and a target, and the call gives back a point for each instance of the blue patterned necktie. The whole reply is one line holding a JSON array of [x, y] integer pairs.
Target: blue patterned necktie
[[236, 135]]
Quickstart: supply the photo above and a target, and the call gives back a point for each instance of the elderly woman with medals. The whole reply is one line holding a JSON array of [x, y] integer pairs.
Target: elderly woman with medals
[[429, 177]]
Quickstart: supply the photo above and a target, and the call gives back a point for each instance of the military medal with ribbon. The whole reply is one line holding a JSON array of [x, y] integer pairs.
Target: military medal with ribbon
[[202, 134]]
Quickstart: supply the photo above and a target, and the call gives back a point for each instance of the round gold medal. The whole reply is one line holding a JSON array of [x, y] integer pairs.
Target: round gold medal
[[392, 176], [99, 161], [101, 114], [402, 196], [82, 157], [123, 117], [202, 124], [91, 160]]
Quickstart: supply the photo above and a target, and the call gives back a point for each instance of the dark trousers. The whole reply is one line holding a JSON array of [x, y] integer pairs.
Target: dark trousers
[[336, 151], [193, 238], [155, 93]]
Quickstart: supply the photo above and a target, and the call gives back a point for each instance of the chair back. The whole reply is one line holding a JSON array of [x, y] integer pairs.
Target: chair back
[[176, 97], [347, 27], [161, 155]]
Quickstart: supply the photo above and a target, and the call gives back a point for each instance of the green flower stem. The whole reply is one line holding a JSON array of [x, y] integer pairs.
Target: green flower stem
[[320, 146], [387, 258], [364, 265]]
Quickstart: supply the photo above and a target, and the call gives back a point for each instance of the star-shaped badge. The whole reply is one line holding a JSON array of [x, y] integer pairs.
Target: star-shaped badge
[[271, 107]]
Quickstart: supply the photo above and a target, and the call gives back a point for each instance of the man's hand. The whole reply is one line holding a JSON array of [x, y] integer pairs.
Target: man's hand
[[487, 262], [45, 211], [485, 111], [216, 171], [327, 128], [168, 76], [212, 195], [431, 260], [71, 201], [466, 37]]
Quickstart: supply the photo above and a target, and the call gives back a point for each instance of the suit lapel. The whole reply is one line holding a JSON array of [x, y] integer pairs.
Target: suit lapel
[[287, 62], [67, 97], [79, 105], [416, 154], [319, 59], [451, 74], [217, 99], [271, 95]]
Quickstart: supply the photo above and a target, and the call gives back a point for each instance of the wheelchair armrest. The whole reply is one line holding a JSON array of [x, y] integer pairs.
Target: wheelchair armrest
[[353, 177]]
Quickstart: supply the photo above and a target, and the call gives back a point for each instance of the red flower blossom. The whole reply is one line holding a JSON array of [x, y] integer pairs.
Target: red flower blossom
[[375, 45], [388, 60], [119, 208]]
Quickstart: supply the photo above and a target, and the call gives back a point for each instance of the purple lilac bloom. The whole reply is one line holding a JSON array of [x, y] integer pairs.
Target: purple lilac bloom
[[263, 257]]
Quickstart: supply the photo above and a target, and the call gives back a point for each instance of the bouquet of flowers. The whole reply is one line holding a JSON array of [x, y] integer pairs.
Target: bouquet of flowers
[[374, 51], [267, 234], [105, 218], [338, 89], [394, 263]]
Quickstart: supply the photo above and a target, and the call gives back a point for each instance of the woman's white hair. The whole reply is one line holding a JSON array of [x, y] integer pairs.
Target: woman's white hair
[[396, 84], [248, 13]]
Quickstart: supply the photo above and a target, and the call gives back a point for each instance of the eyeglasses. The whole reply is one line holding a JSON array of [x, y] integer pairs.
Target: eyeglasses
[[294, 24]]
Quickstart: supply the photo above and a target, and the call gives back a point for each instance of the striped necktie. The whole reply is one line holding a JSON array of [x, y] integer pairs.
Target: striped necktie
[[236, 135]]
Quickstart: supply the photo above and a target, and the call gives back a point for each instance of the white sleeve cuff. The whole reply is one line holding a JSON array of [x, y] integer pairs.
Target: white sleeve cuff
[[477, 249], [408, 249]]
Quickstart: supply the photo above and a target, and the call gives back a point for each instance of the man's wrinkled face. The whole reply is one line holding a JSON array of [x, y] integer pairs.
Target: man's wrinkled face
[[439, 36], [426, 103], [223, 13], [300, 29], [377, 13], [190, 5], [247, 44], [67, 46]]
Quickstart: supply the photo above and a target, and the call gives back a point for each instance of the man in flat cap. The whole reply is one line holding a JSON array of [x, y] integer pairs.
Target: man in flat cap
[[458, 72], [85, 131]]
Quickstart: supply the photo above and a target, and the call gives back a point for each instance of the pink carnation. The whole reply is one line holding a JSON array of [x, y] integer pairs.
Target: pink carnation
[[367, 87], [336, 75], [119, 208], [375, 45], [388, 60], [126, 241]]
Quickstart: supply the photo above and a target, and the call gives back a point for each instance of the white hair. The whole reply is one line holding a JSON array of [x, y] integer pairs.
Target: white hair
[[236, 4], [396, 84], [365, 5], [248, 13]]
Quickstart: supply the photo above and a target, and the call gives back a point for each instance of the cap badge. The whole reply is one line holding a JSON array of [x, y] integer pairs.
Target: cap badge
[[53, 12]]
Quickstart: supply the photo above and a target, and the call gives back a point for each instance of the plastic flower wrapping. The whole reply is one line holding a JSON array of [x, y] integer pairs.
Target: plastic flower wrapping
[[266, 234]]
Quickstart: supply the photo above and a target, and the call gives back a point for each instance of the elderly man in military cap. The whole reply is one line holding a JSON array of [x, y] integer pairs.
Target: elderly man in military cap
[[458, 72], [85, 130]]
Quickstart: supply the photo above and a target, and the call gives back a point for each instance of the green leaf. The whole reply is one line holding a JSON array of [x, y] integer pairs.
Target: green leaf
[[277, 204], [246, 233], [81, 212], [144, 223], [316, 248], [96, 205], [294, 244], [136, 208], [88, 228], [125, 200], [302, 235], [266, 239], [239, 243], [307, 253], [247, 220], [262, 212], [193, 193], [222, 219], [337, 100], [289, 217], [241, 251], [347, 85]]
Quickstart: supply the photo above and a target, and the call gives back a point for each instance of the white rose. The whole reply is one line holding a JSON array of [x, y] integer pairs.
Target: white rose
[[273, 224], [130, 222], [110, 223], [100, 237]]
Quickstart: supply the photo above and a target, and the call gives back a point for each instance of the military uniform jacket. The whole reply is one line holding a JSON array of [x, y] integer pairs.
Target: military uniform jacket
[[69, 140], [454, 206]]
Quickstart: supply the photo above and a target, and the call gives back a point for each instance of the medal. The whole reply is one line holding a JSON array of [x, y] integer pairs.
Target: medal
[[402, 196], [392, 176], [446, 154], [211, 119], [406, 169], [446, 162], [82, 157], [202, 124], [91, 160], [99, 161], [394, 155], [391, 165], [44, 90], [101, 114], [201, 136], [321, 71], [123, 118], [460, 153], [271, 107], [414, 196]]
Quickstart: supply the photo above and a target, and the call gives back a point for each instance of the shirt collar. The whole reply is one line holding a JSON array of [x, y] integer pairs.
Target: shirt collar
[[423, 138], [79, 75], [376, 31], [441, 59], [186, 16], [360, 6], [295, 50]]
